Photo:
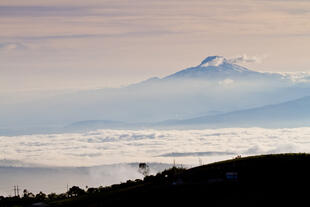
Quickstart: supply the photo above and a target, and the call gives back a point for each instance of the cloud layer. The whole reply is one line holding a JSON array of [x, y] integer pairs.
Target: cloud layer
[[31, 155], [127, 146]]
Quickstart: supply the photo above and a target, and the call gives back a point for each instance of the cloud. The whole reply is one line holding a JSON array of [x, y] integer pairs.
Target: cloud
[[226, 82], [196, 154], [245, 59], [128, 146], [297, 77], [10, 46], [187, 147], [15, 163], [39, 11]]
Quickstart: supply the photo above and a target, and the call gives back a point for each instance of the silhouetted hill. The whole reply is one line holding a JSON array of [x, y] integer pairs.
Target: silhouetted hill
[[268, 180]]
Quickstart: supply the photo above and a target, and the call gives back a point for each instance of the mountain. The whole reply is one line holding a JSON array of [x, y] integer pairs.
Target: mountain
[[95, 124], [294, 113], [218, 67], [289, 114], [215, 69], [215, 86]]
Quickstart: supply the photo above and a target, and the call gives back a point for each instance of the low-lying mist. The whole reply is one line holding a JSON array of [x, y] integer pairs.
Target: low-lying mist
[[57, 179]]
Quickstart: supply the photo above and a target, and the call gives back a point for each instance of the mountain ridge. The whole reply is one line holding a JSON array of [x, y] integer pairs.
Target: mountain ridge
[[253, 117], [294, 113], [216, 84]]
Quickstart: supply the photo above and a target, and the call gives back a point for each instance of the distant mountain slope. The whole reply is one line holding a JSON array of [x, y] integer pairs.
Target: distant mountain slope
[[294, 113], [94, 124], [213, 87]]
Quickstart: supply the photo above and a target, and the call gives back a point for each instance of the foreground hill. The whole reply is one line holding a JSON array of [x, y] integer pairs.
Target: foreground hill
[[252, 181]]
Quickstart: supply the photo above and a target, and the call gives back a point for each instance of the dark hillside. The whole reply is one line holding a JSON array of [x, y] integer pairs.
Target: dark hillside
[[250, 181], [267, 180]]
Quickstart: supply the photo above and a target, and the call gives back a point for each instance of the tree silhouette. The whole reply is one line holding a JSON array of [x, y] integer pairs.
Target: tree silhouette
[[75, 191], [27, 194], [41, 196], [144, 169]]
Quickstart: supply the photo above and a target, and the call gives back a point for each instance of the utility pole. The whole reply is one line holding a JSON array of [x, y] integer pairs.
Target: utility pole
[[67, 191], [17, 191], [14, 191]]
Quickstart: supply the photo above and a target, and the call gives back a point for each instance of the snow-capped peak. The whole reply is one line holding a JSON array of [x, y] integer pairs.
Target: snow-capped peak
[[215, 67], [213, 61]]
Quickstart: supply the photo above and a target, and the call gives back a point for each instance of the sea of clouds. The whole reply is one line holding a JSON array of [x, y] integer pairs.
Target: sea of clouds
[[166, 146], [50, 162]]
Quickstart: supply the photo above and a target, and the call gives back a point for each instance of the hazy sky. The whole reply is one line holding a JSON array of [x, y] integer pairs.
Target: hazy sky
[[61, 44]]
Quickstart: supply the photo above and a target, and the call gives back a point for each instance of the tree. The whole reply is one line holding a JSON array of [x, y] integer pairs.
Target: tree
[[144, 169], [25, 192], [28, 194], [41, 196], [52, 196], [75, 191], [92, 190]]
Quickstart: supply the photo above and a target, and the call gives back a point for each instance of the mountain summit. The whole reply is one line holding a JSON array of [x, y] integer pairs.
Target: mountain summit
[[219, 68], [214, 67], [213, 61]]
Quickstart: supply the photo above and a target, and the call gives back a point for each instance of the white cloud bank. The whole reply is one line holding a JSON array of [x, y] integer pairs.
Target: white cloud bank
[[127, 146], [102, 147]]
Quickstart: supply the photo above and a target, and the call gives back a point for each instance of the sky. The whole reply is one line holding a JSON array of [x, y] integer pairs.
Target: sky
[[74, 44]]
